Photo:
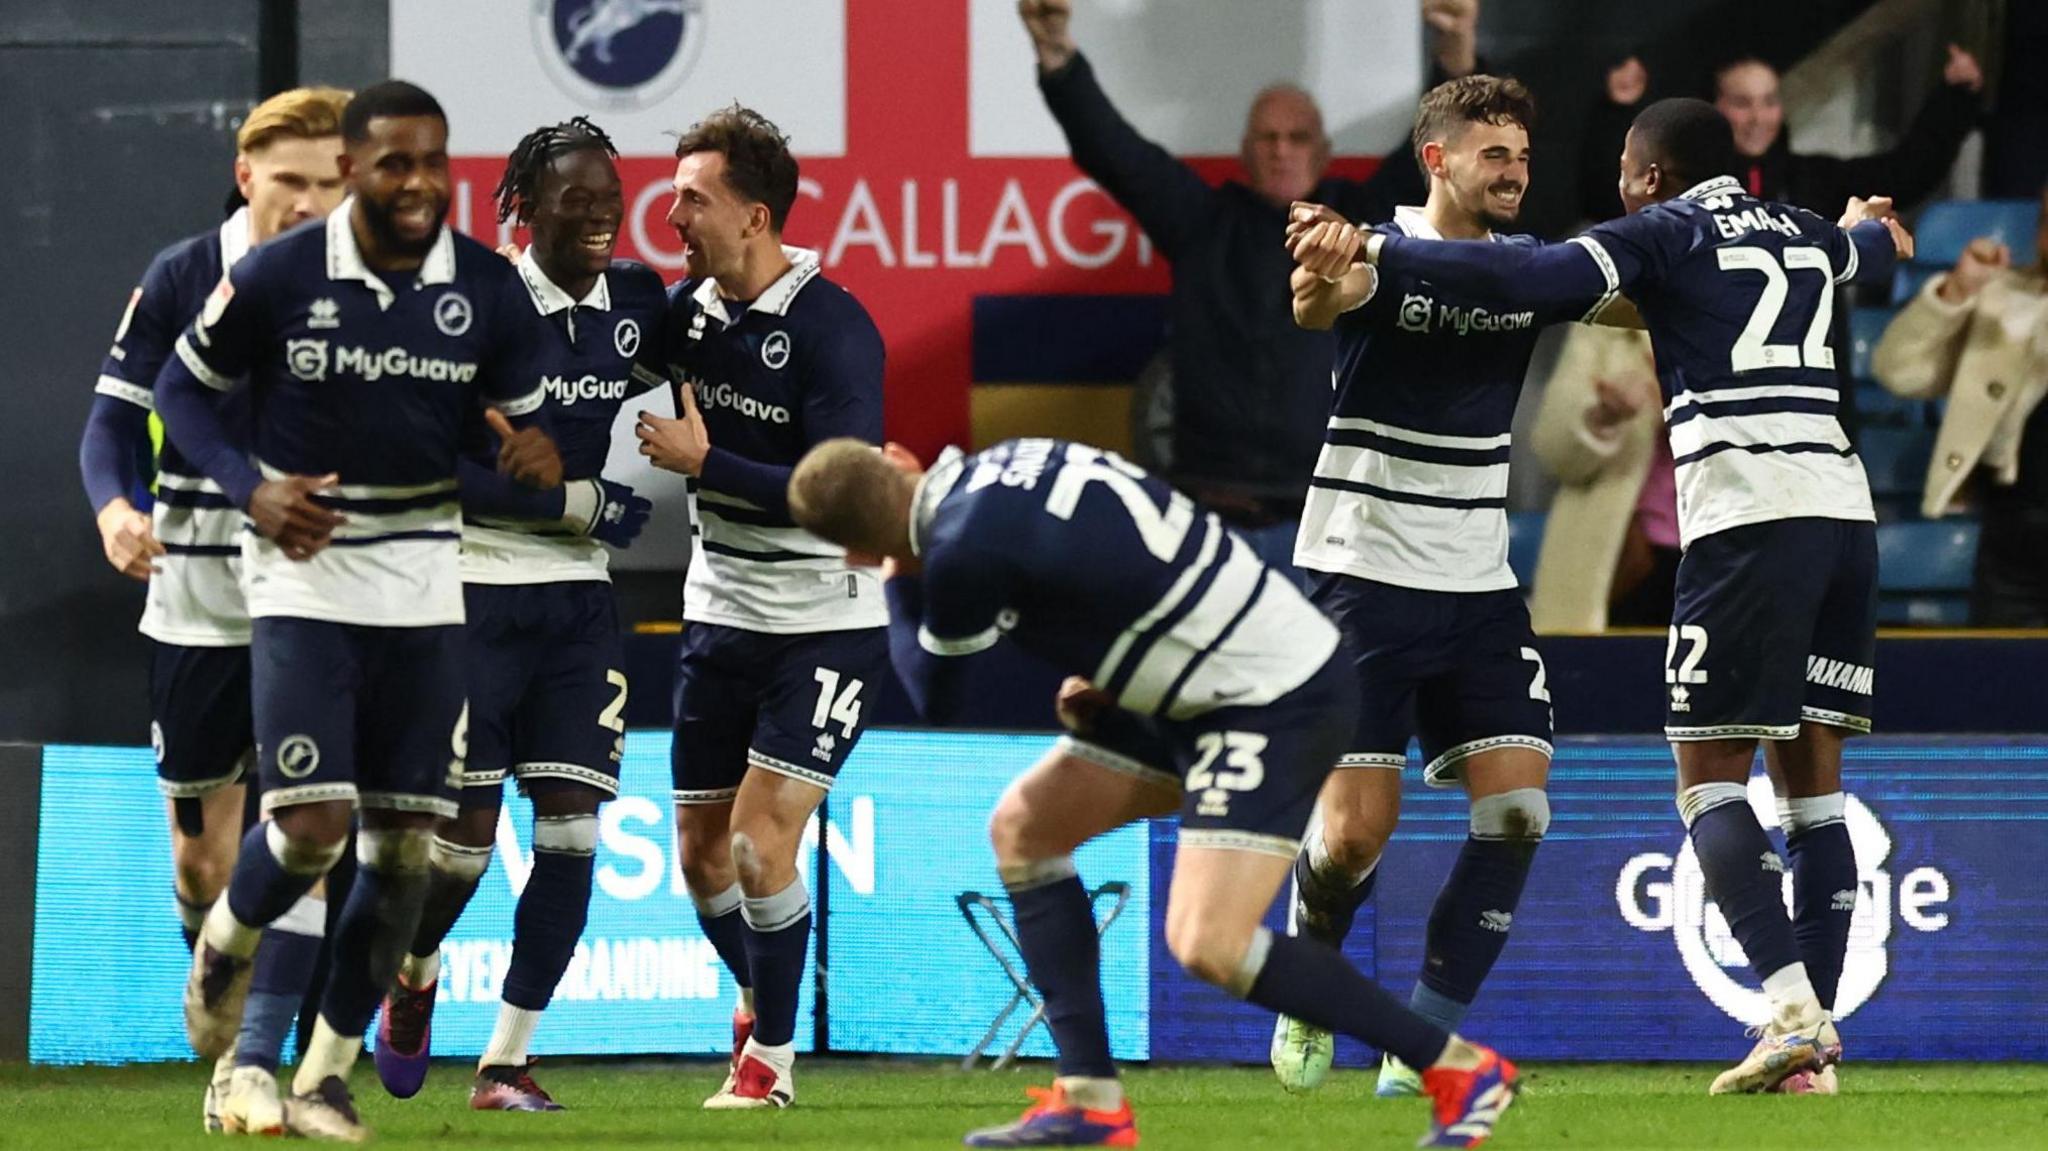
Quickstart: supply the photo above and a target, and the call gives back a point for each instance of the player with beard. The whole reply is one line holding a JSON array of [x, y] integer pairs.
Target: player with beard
[[547, 693], [367, 345], [286, 172], [1405, 539]]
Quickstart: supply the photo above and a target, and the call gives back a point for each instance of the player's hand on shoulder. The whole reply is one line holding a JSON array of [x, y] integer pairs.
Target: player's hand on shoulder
[[129, 539], [511, 251], [285, 512], [1049, 24], [617, 512], [1980, 263], [525, 454], [676, 445]]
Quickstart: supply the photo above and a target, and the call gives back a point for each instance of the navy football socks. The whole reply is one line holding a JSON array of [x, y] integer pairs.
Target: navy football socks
[[552, 910], [1056, 932], [1313, 982], [1824, 887], [778, 937], [1743, 873]]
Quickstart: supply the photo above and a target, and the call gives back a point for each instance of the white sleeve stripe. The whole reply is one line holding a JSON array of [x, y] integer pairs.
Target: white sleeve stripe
[[191, 358], [1600, 257], [1855, 257], [966, 645], [123, 390], [1605, 263], [1370, 292], [523, 405]]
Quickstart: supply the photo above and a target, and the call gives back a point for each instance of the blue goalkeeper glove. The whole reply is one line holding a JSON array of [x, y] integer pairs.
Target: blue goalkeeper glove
[[605, 510]]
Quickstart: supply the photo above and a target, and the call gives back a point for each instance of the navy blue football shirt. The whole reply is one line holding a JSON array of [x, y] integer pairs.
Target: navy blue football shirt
[[774, 376], [1738, 296], [368, 380], [1083, 559]]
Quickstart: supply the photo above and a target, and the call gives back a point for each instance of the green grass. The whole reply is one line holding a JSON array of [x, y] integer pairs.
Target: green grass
[[859, 1104]]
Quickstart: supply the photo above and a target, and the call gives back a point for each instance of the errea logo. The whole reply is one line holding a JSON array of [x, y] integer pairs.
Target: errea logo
[[1656, 892]]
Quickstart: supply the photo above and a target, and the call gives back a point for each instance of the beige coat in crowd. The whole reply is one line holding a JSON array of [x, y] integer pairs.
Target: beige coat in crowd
[[1599, 480], [1989, 356]]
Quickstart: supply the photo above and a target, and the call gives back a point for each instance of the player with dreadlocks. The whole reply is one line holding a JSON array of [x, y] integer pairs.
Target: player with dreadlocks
[[547, 695]]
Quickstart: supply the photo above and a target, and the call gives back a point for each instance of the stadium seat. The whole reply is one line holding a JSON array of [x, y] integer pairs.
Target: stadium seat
[[1896, 461], [1944, 229], [1525, 541], [1923, 571], [1866, 328]]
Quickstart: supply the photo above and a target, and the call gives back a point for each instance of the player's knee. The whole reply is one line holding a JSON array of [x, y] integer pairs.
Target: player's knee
[[1212, 951], [472, 827], [397, 850], [303, 854], [202, 869], [1009, 829], [1355, 838]]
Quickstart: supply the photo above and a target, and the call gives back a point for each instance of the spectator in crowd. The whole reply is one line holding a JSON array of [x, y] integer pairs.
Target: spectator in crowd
[[1610, 542], [1979, 336], [1251, 391], [1745, 89]]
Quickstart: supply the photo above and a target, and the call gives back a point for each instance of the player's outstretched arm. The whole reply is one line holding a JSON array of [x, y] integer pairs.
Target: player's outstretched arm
[[1559, 278]]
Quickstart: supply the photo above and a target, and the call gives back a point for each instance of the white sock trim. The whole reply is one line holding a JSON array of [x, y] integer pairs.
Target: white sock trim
[[327, 1053], [1702, 798], [228, 935], [419, 970], [566, 834], [718, 902], [777, 911], [459, 859], [1254, 961], [390, 850], [1793, 1002], [1036, 873], [1521, 814], [510, 1037], [1092, 1093], [1808, 812]]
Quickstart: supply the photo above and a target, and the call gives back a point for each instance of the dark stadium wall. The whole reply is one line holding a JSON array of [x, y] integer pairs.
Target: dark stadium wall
[[124, 113]]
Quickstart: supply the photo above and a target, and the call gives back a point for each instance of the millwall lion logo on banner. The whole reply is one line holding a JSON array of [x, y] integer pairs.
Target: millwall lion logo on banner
[[618, 54]]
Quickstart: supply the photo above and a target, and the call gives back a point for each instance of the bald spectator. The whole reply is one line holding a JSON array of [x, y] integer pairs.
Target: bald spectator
[[1251, 390]]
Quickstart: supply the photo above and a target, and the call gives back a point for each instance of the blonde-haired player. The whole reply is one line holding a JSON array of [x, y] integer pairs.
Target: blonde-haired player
[[186, 548]]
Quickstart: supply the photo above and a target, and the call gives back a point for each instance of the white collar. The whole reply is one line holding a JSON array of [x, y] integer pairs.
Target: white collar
[[234, 238], [932, 488], [548, 296], [776, 298], [1711, 187], [345, 260], [1416, 223]]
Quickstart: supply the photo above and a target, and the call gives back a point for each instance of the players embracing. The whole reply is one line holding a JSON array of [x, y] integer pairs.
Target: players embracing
[[544, 658], [784, 644], [1405, 536]]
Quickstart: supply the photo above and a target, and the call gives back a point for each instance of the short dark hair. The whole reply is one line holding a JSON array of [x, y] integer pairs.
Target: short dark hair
[[1689, 139], [1730, 64], [535, 151], [1476, 99], [386, 98], [757, 161]]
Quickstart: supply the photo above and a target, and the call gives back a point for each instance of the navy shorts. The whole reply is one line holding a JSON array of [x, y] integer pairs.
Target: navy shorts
[[199, 718], [1250, 774], [1457, 670], [1775, 623], [372, 715], [791, 704], [547, 693]]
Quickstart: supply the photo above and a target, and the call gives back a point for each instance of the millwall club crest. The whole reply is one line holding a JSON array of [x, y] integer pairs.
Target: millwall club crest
[[618, 54]]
